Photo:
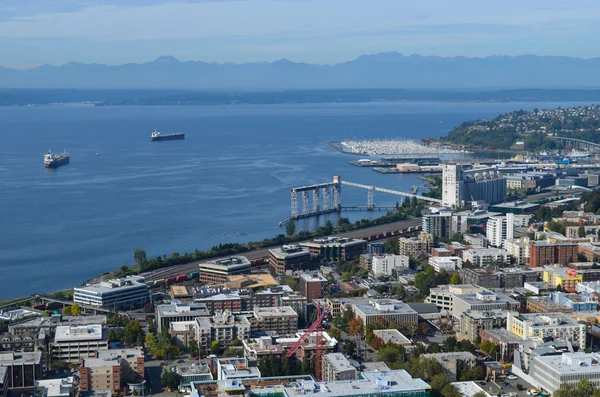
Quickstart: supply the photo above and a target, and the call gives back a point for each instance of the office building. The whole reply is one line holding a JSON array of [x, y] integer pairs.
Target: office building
[[195, 372], [283, 320], [218, 271], [165, 314], [23, 369], [312, 285], [3, 381], [288, 257], [49, 324], [484, 301], [387, 264], [442, 296], [337, 367], [473, 321], [118, 294], [564, 277], [506, 341], [392, 336], [482, 257], [336, 306], [447, 263], [542, 253], [388, 310], [334, 249], [112, 370], [62, 387], [550, 372], [74, 342], [540, 325]]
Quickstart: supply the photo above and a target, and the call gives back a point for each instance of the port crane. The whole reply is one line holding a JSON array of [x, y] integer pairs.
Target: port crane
[[315, 327]]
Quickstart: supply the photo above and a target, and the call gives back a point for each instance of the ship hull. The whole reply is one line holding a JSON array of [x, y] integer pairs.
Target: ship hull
[[170, 137], [57, 163]]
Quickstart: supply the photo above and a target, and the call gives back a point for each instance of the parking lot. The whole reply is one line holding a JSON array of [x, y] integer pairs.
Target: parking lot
[[500, 388]]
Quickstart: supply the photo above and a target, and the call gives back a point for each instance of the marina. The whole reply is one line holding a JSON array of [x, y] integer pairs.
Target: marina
[[392, 147]]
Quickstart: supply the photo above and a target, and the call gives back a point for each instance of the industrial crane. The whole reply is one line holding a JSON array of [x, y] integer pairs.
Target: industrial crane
[[315, 327]]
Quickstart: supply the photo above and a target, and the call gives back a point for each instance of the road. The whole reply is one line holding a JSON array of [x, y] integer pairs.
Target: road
[[264, 252]]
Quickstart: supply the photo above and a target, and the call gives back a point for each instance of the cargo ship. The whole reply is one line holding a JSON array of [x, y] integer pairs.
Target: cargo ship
[[56, 160], [157, 136]]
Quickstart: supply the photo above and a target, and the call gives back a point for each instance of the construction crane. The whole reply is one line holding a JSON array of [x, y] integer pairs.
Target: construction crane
[[315, 327]]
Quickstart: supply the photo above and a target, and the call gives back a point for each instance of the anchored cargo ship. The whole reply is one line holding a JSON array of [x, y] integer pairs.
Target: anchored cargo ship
[[157, 136], [55, 160]]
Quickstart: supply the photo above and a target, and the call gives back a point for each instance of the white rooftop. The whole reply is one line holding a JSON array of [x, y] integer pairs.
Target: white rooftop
[[56, 387], [66, 333]]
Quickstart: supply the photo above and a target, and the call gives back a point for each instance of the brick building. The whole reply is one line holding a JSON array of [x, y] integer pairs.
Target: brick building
[[542, 253]]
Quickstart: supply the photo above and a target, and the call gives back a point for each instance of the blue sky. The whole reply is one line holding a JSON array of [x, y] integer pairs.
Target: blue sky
[[34, 32]]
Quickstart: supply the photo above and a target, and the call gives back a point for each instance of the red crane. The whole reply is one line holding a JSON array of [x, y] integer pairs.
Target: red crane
[[315, 327]]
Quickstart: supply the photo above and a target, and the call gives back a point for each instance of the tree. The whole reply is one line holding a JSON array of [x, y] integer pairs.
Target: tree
[[233, 352], [356, 327], [150, 340], [170, 379], [285, 366], [67, 311], [290, 228], [328, 227], [290, 281], [139, 257], [214, 347], [349, 348], [581, 231], [455, 279], [391, 245], [450, 391]]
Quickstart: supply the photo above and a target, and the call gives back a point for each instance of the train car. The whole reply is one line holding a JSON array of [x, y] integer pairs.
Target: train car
[[170, 280], [159, 282], [194, 275], [258, 261], [41, 306], [181, 277]]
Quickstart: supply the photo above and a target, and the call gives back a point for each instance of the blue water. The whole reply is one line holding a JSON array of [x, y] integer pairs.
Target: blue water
[[232, 173]]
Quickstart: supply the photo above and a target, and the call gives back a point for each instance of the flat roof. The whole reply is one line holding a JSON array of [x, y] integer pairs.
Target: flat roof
[[178, 309], [310, 277], [384, 307], [286, 252], [112, 357], [46, 322], [392, 336], [122, 284], [275, 311], [573, 363], [339, 362], [68, 333], [3, 373], [469, 389], [9, 358]]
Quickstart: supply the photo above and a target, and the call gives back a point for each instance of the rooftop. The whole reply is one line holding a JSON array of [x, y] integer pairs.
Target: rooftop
[[71, 333], [338, 362], [375, 366], [392, 336], [120, 284], [181, 326], [49, 322], [333, 240], [383, 306], [56, 387], [503, 335], [275, 311], [176, 309], [313, 277], [469, 389], [444, 356], [9, 358], [289, 251], [231, 262], [573, 363], [483, 314]]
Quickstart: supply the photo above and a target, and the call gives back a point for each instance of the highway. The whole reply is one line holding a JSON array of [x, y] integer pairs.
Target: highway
[[264, 252]]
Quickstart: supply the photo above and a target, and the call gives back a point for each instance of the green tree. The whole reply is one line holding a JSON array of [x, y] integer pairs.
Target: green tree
[[139, 257], [455, 279], [581, 231], [290, 281], [328, 227], [349, 348], [306, 367], [214, 347], [170, 379], [285, 366], [290, 228], [150, 340], [67, 311], [391, 246], [233, 352]]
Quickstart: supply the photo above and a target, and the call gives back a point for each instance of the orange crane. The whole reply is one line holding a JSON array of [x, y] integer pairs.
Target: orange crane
[[315, 327]]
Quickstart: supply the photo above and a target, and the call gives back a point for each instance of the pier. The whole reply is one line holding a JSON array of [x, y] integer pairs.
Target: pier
[[325, 198]]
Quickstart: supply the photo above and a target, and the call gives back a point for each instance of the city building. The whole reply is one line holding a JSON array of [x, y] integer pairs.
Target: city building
[[298, 302], [442, 296], [458, 187], [388, 310], [542, 253], [234, 368], [576, 302], [588, 287], [376, 248], [218, 271], [333, 249], [112, 370], [27, 342], [453, 363], [543, 304], [482, 257], [336, 306], [118, 294], [448, 263], [568, 368], [23, 369], [312, 285], [392, 336], [413, 247], [195, 372], [386, 265], [222, 327], [74, 342], [476, 240], [472, 221], [48, 324], [564, 277], [288, 257], [178, 312], [496, 277], [506, 341], [182, 332], [63, 387], [483, 300], [539, 325], [591, 251], [3, 381], [500, 228], [518, 249], [438, 224], [283, 320], [337, 367], [515, 207], [473, 321], [469, 389]]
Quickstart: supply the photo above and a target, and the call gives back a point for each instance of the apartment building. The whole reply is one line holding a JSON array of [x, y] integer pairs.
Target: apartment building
[[473, 321], [112, 370], [482, 257], [518, 249], [283, 320], [222, 327], [564, 277], [312, 285], [495, 277], [386, 265], [542, 253], [447, 263], [414, 247], [538, 325], [337, 367]]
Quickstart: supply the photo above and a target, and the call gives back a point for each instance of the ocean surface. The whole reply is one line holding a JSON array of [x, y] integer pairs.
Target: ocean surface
[[228, 181]]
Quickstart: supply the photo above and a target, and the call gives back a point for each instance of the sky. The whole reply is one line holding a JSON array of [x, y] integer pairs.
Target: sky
[[35, 32]]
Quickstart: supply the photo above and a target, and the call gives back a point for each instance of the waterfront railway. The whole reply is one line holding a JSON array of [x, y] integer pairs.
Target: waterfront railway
[[168, 275]]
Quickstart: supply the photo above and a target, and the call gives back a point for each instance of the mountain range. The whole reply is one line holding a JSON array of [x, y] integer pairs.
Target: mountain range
[[384, 70]]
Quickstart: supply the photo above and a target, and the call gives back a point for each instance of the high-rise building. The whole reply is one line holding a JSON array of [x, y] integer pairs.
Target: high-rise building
[[499, 229], [312, 285], [452, 185], [438, 224]]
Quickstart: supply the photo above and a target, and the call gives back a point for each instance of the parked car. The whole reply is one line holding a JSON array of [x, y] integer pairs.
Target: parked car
[[532, 392], [512, 377]]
